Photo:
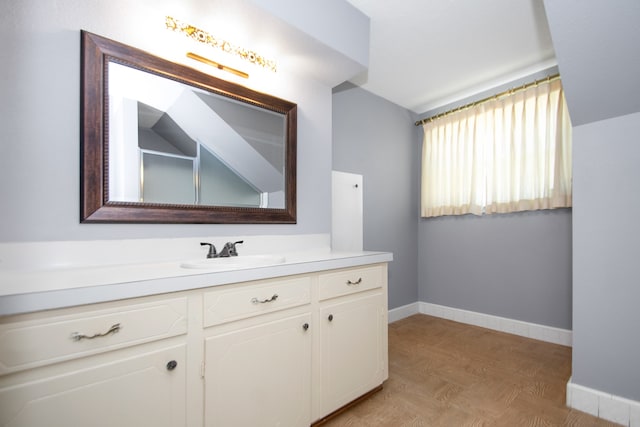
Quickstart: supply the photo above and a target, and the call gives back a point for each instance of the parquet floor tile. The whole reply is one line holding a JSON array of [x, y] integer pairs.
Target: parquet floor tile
[[448, 374]]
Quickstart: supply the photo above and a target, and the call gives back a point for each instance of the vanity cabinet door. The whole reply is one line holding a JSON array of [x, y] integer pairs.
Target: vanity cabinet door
[[145, 387], [260, 375], [353, 351]]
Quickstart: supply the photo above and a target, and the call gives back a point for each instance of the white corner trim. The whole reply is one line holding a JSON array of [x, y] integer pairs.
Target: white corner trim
[[503, 324], [603, 405], [399, 313]]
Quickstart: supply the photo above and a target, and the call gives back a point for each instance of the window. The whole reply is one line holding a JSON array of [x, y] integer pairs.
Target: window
[[511, 153]]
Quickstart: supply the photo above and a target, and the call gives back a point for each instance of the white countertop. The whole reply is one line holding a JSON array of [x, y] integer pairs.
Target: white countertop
[[24, 290]]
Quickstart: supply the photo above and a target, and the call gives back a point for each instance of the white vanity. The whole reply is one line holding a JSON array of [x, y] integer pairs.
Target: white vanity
[[162, 345]]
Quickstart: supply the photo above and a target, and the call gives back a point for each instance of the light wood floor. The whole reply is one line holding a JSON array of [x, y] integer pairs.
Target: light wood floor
[[443, 373]]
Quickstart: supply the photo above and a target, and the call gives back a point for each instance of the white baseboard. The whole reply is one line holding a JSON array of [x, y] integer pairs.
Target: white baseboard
[[503, 324], [603, 405], [399, 313]]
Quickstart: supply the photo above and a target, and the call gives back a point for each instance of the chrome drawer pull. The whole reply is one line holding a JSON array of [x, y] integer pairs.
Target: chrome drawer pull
[[357, 282], [257, 301], [112, 330]]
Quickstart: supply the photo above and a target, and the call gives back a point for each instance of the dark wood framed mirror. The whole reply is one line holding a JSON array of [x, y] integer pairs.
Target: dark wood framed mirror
[[165, 143]]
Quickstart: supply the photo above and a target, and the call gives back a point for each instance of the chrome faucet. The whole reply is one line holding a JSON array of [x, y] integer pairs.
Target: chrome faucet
[[228, 250]]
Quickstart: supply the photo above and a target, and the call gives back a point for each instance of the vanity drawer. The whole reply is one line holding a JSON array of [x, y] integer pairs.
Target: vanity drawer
[[345, 282], [253, 299], [62, 335]]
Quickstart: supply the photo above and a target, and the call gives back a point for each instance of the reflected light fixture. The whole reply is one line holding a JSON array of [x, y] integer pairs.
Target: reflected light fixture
[[217, 65], [224, 45]]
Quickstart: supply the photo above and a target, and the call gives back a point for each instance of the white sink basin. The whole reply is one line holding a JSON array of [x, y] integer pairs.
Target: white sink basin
[[234, 263]]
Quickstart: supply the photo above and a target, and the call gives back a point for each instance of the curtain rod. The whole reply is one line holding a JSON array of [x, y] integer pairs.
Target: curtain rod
[[490, 98]]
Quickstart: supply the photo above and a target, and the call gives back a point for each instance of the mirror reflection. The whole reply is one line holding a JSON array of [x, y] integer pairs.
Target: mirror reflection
[[173, 143], [165, 143]]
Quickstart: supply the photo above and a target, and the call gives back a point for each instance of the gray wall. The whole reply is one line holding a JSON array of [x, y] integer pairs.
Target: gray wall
[[596, 44], [376, 138], [606, 341], [596, 47], [516, 265]]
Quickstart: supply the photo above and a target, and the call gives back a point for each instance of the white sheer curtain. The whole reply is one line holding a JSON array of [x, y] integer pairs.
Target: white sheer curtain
[[505, 155]]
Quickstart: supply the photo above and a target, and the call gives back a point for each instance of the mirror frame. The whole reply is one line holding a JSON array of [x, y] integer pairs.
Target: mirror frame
[[95, 206]]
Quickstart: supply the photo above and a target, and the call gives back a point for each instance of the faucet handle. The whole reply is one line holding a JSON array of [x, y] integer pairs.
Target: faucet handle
[[212, 249], [231, 248]]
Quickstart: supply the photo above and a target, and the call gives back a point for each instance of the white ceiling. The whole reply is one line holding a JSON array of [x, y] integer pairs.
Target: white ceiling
[[428, 53]]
